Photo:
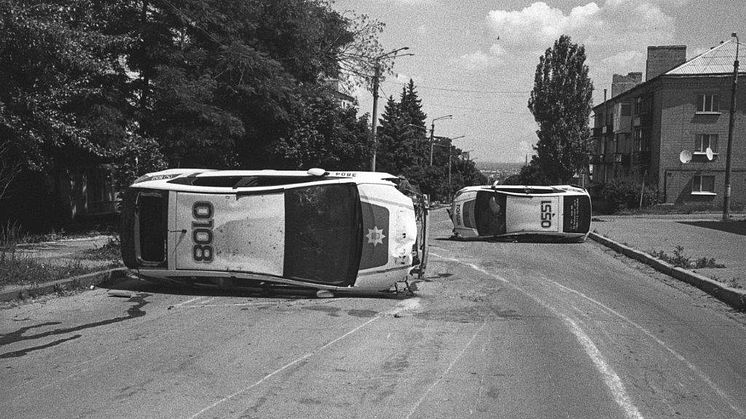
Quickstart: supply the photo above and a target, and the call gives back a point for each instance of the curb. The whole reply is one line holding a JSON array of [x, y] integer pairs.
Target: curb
[[736, 298], [22, 292]]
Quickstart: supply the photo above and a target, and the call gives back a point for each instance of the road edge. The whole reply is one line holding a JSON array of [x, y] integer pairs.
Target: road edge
[[24, 292], [734, 297]]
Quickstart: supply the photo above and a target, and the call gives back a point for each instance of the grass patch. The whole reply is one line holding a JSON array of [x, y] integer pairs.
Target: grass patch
[[17, 269], [111, 251], [680, 260]]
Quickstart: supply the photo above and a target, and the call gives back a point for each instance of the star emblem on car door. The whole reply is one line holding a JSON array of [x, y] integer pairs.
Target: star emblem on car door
[[375, 236]]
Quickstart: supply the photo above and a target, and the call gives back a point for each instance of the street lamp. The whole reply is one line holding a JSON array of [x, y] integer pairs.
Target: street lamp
[[432, 134], [731, 123], [376, 77]]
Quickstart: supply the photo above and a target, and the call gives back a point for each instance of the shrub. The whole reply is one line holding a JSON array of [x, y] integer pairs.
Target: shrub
[[625, 194]]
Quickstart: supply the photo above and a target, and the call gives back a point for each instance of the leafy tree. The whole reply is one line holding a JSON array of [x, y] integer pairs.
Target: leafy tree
[[54, 104], [326, 136], [561, 103]]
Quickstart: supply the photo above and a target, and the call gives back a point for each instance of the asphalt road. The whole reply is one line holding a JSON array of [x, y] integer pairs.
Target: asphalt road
[[496, 330]]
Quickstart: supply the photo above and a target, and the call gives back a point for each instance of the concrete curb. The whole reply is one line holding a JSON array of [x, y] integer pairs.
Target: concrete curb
[[17, 292], [736, 298]]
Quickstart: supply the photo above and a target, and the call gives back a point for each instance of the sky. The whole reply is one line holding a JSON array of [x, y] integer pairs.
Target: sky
[[476, 59]]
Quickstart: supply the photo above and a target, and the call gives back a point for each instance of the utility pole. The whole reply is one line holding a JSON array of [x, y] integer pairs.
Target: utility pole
[[731, 123], [376, 81], [374, 123], [432, 134]]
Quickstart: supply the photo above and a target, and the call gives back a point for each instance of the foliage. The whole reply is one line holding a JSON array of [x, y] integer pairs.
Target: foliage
[[326, 136], [19, 269], [561, 102], [404, 149], [402, 143], [146, 84], [136, 156], [530, 174], [621, 194], [54, 70], [680, 260], [10, 235]]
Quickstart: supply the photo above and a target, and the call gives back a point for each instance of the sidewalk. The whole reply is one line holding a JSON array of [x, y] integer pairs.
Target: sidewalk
[[700, 236]]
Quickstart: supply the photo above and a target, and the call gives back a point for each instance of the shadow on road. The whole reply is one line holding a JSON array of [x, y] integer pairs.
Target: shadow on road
[[273, 291], [735, 227]]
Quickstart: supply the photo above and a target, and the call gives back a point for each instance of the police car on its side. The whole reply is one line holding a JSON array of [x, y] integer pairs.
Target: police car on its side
[[328, 231], [560, 212]]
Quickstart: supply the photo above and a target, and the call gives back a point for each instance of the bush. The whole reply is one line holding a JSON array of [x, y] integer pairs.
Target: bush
[[625, 194]]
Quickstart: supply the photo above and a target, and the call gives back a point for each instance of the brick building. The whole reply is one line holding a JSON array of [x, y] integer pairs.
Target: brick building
[[671, 131]]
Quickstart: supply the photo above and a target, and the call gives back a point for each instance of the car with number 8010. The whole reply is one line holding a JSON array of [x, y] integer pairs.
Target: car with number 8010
[[319, 230]]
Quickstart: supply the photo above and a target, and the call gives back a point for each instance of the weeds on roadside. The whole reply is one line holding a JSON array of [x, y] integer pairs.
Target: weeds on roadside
[[18, 269], [680, 260], [110, 251]]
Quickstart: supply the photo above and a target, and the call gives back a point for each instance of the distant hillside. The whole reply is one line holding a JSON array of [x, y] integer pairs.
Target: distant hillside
[[498, 171], [493, 166]]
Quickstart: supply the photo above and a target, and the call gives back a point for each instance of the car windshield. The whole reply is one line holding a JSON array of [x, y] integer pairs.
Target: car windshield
[[489, 213], [323, 233]]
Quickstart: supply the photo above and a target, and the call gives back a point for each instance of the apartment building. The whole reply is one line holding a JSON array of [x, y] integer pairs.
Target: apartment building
[[671, 130]]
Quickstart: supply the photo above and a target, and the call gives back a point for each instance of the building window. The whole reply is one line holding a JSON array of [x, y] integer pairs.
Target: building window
[[637, 145], [626, 109], [642, 105], [708, 103], [704, 141], [703, 185]]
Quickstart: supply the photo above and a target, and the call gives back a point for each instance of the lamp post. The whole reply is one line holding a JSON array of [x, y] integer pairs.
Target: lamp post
[[731, 123], [374, 122], [432, 134]]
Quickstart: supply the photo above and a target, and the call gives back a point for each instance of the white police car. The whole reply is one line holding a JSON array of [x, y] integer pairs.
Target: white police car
[[561, 212], [330, 231]]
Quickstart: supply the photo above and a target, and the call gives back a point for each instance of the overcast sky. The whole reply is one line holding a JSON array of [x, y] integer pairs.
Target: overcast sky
[[475, 59]]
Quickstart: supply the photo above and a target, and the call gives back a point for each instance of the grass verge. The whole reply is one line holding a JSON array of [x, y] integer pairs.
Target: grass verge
[[680, 260], [18, 268]]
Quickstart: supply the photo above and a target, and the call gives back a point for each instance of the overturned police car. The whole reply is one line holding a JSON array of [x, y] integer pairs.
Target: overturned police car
[[328, 231], [559, 212]]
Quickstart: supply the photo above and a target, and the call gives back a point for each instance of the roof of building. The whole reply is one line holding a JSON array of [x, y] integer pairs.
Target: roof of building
[[716, 60]]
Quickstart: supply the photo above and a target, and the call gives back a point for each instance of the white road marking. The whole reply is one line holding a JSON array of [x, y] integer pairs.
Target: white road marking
[[402, 306], [672, 351], [611, 379], [183, 303], [444, 373]]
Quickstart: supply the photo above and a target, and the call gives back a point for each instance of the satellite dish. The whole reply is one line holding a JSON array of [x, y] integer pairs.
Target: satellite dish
[[685, 156], [710, 154]]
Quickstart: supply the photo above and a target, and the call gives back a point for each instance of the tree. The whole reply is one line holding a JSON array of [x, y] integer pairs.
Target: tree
[[327, 136], [55, 105], [402, 141], [561, 103]]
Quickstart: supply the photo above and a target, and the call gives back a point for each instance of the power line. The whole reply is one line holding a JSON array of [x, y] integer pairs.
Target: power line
[[446, 89]]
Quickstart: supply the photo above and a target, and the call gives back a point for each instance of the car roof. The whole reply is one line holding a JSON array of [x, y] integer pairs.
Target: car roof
[[241, 178], [526, 189]]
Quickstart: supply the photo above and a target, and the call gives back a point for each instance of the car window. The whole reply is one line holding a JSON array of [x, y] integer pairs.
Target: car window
[[323, 233], [489, 213]]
